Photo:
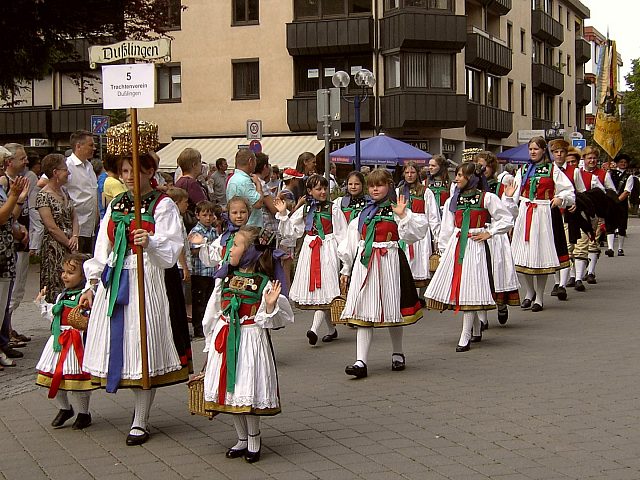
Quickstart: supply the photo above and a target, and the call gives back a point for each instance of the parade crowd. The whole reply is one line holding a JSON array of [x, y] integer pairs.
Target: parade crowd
[[226, 257]]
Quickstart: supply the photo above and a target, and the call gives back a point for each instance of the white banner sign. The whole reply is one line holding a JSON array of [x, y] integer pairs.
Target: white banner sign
[[159, 50], [128, 86]]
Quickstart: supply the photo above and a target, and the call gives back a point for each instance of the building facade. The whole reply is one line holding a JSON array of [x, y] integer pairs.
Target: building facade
[[450, 74]]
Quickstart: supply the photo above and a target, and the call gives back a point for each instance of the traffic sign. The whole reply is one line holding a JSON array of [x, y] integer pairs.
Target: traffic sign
[[254, 129], [99, 124], [255, 146], [580, 143]]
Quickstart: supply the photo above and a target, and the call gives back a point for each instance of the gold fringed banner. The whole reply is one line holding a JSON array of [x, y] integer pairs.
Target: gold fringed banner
[[608, 133], [119, 138]]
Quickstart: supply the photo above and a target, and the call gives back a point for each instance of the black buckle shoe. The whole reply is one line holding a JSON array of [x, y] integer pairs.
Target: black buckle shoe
[[397, 365], [61, 417], [133, 440], [313, 338], [580, 286], [252, 457], [330, 337], [620, 253], [503, 314], [554, 290], [232, 453], [562, 293], [526, 304], [356, 370], [83, 420], [608, 252], [536, 307], [476, 338], [464, 348], [591, 279], [571, 282]]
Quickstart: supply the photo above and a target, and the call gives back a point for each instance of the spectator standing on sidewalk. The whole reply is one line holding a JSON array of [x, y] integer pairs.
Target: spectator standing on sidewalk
[[219, 179], [190, 162], [83, 188], [246, 184]]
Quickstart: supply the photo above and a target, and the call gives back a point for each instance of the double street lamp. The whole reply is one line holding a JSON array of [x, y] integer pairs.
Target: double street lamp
[[556, 131], [364, 79]]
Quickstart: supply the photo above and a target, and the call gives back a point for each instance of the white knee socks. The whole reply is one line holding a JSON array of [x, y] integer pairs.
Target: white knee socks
[[363, 342], [593, 259], [556, 278], [621, 242], [564, 276], [322, 316], [610, 240], [541, 281], [467, 325], [572, 270], [396, 342], [143, 402], [581, 265], [62, 400], [81, 399], [476, 329], [527, 282], [253, 432], [240, 424]]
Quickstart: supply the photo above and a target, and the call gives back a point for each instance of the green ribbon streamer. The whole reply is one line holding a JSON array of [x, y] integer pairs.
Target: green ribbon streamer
[[227, 249], [533, 181], [436, 193], [57, 310], [371, 233], [466, 220], [122, 221], [317, 220], [231, 311]]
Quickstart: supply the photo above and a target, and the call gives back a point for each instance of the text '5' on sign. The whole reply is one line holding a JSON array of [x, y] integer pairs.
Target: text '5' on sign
[[128, 86]]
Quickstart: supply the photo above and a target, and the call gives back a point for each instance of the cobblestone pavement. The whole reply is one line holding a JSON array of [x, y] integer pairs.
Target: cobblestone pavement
[[551, 395]]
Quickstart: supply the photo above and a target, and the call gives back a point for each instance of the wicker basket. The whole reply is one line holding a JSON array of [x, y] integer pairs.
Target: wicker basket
[[434, 261], [78, 318], [196, 397], [337, 306]]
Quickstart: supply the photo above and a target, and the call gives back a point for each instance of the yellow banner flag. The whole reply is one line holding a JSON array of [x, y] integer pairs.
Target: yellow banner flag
[[608, 129]]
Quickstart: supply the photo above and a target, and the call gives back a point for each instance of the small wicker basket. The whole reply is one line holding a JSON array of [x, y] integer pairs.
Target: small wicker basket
[[78, 318], [434, 261], [337, 306], [196, 397]]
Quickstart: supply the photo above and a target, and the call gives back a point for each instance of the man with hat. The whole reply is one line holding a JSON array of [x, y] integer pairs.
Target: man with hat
[[620, 180]]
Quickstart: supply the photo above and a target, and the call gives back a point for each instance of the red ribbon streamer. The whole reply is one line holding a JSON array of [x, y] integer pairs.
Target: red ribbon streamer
[[457, 278], [315, 277], [221, 347], [376, 253], [67, 338], [529, 219]]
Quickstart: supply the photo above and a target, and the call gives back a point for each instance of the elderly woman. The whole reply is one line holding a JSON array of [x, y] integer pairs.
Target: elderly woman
[[112, 351], [60, 224]]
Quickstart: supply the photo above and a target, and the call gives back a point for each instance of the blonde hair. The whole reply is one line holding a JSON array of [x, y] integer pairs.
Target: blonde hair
[[188, 159], [176, 194], [379, 176]]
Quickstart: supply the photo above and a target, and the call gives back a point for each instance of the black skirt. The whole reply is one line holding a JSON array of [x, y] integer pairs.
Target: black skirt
[[178, 316]]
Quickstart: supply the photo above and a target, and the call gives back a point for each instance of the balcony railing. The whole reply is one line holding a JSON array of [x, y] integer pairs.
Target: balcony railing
[[544, 27], [416, 110], [547, 79], [411, 29], [583, 51], [486, 121], [488, 54], [344, 35], [583, 93]]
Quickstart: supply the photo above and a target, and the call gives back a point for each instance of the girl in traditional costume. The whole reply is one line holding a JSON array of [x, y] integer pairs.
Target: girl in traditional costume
[[355, 200], [537, 193], [316, 281], [381, 290], [60, 365], [463, 279], [241, 377], [113, 351], [438, 181], [422, 202]]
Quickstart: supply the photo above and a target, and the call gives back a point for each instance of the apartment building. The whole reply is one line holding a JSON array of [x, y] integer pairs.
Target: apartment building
[[451, 74]]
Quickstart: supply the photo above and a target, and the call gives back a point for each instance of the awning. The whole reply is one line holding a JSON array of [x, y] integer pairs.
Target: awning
[[283, 150]]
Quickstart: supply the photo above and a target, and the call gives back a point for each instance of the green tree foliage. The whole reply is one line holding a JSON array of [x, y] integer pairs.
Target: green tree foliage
[[631, 116], [35, 35]]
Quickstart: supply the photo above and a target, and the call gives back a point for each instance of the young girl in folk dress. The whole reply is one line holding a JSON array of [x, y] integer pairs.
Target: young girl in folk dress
[[381, 288], [463, 278], [316, 280], [355, 200], [538, 188], [421, 201], [60, 365], [216, 252], [241, 376], [438, 181]]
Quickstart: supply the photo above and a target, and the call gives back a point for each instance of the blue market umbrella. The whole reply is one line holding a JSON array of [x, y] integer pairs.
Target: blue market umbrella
[[381, 150], [519, 154]]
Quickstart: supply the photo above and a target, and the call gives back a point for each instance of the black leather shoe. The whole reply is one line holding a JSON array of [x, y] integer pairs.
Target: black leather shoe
[[484, 326], [313, 338], [562, 293], [571, 282], [133, 440], [476, 338], [608, 252], [231, 453], [621, 253], [397, 365], [591, 279], [554, 290], [526, 304], [83, 420], [356, 370], [252, 457], [503, 314], [331, 337], [12, 352], [61, 417], [464, 348], [580, 286], [536, 307]]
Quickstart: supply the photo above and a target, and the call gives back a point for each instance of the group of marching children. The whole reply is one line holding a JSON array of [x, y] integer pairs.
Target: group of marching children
[[373, 246]]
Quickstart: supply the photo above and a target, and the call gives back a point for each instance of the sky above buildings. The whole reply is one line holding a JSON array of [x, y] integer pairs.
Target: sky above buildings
[[620, 17]]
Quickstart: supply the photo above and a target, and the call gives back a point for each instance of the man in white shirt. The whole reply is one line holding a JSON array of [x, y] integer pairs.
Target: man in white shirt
[[83, 187]]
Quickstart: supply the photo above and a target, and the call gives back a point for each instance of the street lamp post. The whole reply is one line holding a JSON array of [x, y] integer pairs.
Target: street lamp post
[[556, 131], [364, 79]]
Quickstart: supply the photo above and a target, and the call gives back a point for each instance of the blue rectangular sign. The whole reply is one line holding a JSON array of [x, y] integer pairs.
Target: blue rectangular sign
[[99, 124], [580, 143]]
